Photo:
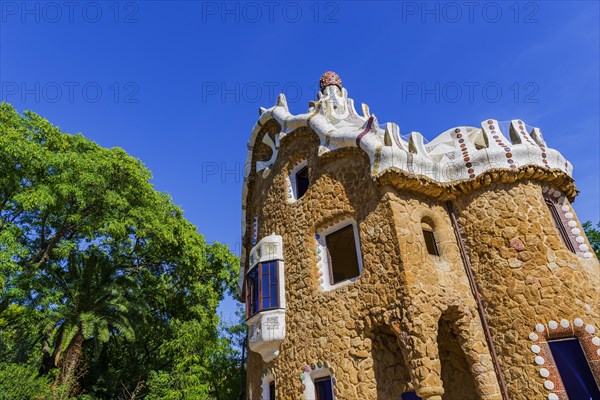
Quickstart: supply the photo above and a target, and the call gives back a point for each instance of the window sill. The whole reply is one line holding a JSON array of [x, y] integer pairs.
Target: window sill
[[327, 287], [251, 318]]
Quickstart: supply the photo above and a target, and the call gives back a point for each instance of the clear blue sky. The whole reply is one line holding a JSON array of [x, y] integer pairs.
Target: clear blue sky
[[178, 85]]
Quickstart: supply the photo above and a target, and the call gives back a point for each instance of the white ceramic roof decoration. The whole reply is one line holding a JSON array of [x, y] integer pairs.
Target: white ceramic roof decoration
[[460, 153], [334, 119]]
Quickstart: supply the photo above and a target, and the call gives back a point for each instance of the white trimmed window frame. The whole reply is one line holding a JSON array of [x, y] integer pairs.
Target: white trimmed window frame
[[565, 214], [264, 385], [311, 377], [292, 189], [324, 260], [270, 249]]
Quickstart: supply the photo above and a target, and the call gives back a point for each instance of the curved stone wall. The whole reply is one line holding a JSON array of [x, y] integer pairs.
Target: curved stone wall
[[525, 274]]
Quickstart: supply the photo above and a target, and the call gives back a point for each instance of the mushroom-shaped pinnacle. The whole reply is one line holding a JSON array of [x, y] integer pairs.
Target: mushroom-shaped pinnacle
[[330, 78]]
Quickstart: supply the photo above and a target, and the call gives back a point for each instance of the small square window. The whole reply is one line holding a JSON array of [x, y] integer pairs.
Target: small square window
[[430, 242], [302, 182], [410, 396], [324, 389], [343, 255]]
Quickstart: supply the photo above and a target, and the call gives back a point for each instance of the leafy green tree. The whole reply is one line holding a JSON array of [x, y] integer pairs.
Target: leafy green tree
[[21, 382], [87, 299], [198, 371], [593, 235], [85, 240], [58, 191]]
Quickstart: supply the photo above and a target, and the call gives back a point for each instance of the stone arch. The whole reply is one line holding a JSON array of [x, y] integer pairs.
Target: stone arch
[[459, 345], [389, 363], [542, 355], [415, 332], [456, 369]]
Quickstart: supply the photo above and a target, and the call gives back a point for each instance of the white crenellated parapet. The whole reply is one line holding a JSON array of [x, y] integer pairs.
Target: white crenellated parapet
[[458, 154]]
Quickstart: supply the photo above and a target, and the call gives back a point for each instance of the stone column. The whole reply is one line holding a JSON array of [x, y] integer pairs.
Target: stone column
[[419, 345], [473, 343]]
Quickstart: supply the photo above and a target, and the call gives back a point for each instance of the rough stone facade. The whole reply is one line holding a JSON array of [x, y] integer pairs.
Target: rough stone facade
[[412, 321]]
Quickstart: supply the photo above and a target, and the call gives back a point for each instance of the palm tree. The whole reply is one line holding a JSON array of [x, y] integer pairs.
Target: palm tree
[[88, 299]]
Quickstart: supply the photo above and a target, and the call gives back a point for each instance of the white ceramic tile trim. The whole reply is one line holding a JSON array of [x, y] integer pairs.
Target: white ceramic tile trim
[[312, 372], [254, 229], [583, 250], [539, 360], [292, 194], [266, 379], [323, 267]]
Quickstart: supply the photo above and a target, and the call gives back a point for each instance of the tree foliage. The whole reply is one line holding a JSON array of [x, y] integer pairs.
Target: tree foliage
[[21, 382], [105, 288], [593, 235]]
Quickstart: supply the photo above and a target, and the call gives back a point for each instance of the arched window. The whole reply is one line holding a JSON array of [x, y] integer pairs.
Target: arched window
[[267, 387], [298, 180], [318, 381], [429, 237]]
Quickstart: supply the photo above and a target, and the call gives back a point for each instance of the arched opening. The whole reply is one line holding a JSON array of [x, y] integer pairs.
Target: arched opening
[[391, 374], [318, 381], [458, 381], [268, 386], [298, 180], [431, 244]]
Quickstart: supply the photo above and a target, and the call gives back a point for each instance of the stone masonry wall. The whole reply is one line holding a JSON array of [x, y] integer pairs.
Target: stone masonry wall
[[333, 326], [526, 275], [402, 293], [410, 322], [438, 289]]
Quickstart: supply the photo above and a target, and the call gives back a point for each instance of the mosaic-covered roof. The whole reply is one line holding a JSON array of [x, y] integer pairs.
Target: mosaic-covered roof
[[458, 154]]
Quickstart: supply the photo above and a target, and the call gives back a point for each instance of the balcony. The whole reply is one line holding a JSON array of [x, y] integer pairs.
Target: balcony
[[265, 298], [266, 331]]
